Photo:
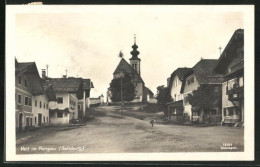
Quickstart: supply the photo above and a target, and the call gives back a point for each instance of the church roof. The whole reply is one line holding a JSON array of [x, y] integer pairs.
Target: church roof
[[125, 67]]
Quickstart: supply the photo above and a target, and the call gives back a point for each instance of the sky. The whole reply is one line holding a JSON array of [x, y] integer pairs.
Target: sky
[[86, 40]]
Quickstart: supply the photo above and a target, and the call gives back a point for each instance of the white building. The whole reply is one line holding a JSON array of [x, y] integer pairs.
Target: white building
[[175, 85]]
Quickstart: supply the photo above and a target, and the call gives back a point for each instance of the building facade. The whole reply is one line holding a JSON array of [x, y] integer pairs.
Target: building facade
[[27, 85], [68, 91], [231, 65], [203, 75], [174, 83]]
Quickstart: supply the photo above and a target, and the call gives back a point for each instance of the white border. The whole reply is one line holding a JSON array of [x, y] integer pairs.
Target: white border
[[248, 154]]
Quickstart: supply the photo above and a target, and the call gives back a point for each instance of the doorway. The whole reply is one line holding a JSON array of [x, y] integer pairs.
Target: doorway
[[20, 122], [39, 119]]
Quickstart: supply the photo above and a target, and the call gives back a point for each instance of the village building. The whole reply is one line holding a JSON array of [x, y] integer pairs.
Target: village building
[[40, 105], [27, 85], [134, 71], [174, 83], [68, 91], [203, 73], [231, 65], [97, 100]]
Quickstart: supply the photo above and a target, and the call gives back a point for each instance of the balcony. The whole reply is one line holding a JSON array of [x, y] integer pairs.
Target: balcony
[[236, 93]]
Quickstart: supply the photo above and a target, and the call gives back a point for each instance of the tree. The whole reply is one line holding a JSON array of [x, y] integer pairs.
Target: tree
[[128, 89], [163, 97], [204, 98]]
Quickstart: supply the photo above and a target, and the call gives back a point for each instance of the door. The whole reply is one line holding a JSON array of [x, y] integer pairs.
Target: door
[[40, 119], [27, 121], [20, 122]]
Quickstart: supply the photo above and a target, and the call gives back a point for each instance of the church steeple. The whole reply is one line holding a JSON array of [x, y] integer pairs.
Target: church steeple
[[135, 60], [134, 52]]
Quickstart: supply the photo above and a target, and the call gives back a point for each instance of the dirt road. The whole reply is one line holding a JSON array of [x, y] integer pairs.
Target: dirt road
[[109, 132]]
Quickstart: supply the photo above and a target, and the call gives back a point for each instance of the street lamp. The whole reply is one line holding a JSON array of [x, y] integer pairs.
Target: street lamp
[[121, 75]]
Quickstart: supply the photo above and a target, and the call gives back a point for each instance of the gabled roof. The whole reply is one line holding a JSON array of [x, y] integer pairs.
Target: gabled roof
[[205, 73], [230, 51], [21, 67], [126, 68], [180, 72], [71, 85], [148, 91], [49, 91], [87, 84], [29, 70]]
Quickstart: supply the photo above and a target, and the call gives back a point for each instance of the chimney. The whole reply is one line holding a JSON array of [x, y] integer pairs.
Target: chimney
[[43, 74]]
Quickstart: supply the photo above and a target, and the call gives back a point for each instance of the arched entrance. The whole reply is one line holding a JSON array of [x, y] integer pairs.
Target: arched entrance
[[20, 122]]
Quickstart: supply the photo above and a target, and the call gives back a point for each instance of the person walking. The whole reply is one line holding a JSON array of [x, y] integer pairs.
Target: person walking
[[152, 122]]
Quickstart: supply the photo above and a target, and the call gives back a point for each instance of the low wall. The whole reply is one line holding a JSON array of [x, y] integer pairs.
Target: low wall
[[59, 121]]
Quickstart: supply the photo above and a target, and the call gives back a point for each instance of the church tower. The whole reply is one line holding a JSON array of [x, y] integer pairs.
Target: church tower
[[134, 60]]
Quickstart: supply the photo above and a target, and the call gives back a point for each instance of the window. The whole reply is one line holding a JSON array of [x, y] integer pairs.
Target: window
[[234, 85], [59, 114], [47, 119], [230, 112], [20, 80], [79, 108], [47, 106], [35, 120], [40, 104], [19, 98], [241, 83], [190, 81], [35, 103], [30, 101], [213, 111], [43, 119], [26, 101], [25, 83], [60, 100], [44, 105]]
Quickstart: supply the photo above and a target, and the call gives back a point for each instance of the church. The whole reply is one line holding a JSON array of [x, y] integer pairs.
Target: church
[[134, 70]]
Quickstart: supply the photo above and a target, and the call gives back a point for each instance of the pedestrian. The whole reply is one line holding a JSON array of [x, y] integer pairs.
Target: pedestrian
[[152, 122]]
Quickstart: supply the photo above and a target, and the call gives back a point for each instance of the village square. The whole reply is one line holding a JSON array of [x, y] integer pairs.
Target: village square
[[199, 109]]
